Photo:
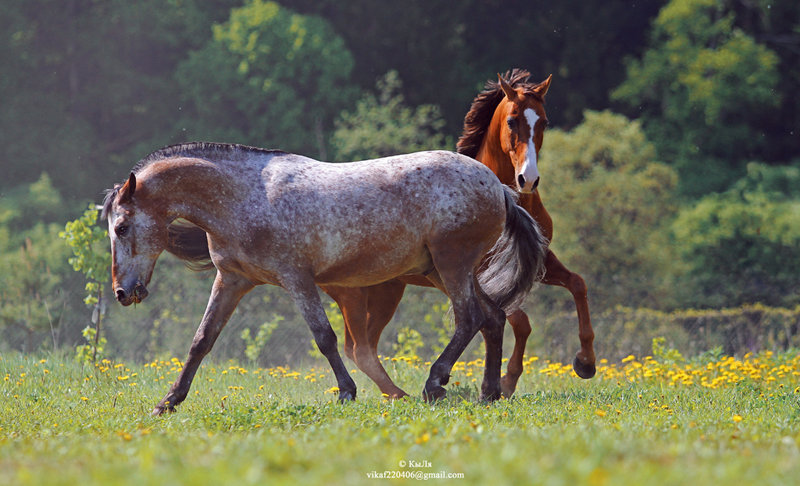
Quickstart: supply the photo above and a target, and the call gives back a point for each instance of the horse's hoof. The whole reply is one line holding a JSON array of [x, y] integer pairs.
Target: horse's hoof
[[491, 396], [433, 394], [585, 371], [347, 396], [396, 395], [161, 410], [508, 385]]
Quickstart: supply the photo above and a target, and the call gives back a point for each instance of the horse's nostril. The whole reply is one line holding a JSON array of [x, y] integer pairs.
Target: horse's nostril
[[535, 183], [521, 181], [121, 295]]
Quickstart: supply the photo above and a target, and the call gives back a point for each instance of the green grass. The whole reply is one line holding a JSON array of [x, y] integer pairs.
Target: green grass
[[640, 422]]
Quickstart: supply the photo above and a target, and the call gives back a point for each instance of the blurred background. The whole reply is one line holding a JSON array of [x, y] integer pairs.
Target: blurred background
[[671, 169]]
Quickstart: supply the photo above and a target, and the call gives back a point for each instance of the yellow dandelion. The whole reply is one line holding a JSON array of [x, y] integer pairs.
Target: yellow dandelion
[[737, 418]]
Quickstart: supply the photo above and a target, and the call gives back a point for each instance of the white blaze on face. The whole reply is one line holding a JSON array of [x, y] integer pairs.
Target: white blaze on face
[[530, 170]]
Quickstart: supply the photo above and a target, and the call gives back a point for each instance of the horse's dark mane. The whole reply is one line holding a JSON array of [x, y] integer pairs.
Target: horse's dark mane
[[211, 151], [480, 114]]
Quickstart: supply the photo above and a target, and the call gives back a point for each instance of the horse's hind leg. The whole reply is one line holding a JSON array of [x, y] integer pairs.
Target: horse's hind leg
[[382, 302], [470, 315], [522, 329], [366, 312], [492, 330], [304, 292], [352, 301]]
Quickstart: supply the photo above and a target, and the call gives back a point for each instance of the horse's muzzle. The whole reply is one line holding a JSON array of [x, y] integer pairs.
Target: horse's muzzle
[[138, 294], [525, 186]]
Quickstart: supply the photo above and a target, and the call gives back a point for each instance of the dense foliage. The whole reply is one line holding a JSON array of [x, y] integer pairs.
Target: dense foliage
[[671, 172]]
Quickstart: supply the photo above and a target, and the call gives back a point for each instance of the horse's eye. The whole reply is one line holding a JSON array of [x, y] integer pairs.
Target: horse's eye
[[122, 230], [512, 122]]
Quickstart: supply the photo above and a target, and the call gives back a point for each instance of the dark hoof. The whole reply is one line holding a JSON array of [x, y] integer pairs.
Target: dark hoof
[[585, 371], [162, 409], [508, 385], [490, 397], [347, 396], [434, 393]]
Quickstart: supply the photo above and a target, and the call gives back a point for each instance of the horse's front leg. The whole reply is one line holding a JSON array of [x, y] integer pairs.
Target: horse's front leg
[[557, 274], [366, 311], [306, 297], [225, 295]]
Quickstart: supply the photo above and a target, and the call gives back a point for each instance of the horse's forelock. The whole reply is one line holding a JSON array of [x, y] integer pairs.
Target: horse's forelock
[[108, 201]]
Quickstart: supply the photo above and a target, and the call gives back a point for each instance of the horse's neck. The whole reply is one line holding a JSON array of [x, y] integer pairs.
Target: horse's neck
[[191, 191]]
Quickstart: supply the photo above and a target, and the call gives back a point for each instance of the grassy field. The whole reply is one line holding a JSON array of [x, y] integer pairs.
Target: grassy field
[[643, 421]]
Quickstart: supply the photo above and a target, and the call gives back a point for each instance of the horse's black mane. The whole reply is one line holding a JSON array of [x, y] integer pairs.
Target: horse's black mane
[[211, 151], [480, 114], [208, 150]]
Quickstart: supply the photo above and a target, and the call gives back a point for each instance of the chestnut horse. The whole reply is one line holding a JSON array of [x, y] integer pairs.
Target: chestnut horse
[[504, 130], [271, 217]]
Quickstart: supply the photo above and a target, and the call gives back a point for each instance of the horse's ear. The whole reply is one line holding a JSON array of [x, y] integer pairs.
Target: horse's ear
[[511, 94], [542, 87], [127, 190]]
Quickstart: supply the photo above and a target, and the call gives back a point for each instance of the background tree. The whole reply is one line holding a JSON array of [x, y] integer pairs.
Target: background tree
[[33, 270], [609, 201], [86, 86], [383, 125], [445, 51], [701, 89], [30, 298], [90, 87], [743, 246], [269, 77]]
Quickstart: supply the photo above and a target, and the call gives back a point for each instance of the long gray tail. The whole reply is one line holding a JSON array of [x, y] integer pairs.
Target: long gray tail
[[516, 261]]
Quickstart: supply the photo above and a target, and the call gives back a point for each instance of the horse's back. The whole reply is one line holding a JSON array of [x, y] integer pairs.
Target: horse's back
[[435, 188], [442, 181], [380, 214]]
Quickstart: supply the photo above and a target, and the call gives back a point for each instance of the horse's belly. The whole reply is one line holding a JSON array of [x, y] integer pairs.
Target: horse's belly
[[367, 265]]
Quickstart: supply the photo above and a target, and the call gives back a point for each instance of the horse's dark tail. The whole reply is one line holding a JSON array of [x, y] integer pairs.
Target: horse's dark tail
[[516, 261], [189, 243]]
